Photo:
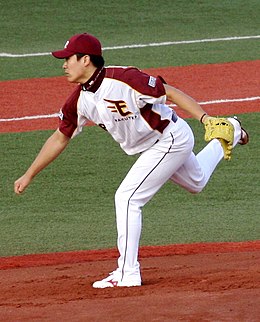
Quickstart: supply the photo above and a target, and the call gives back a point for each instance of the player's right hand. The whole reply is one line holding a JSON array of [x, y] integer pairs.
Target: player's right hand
[[21, 184]]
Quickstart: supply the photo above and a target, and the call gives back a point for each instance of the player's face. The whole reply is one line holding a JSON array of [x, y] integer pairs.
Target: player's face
[[74, 69]]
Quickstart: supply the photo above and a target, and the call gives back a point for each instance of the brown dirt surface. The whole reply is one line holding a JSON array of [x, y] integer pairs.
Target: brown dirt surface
[[199, 282], [45, 96]]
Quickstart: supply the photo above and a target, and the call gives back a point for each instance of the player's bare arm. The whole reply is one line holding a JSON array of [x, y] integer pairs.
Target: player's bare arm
[[185, 102], [52, 148]]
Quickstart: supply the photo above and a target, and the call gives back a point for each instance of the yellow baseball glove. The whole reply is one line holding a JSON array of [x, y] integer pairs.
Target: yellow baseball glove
[[223, 130]]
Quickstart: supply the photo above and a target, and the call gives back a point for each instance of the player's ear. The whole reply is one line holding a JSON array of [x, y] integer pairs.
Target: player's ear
[[86, 60]]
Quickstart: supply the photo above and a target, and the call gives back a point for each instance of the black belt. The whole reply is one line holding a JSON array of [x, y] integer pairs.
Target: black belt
[[174, 119]]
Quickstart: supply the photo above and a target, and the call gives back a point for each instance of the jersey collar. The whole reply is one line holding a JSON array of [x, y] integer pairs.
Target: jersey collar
[[95, 80]]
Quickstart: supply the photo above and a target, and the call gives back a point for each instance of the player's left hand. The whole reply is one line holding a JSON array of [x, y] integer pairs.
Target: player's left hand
[[221, 129]]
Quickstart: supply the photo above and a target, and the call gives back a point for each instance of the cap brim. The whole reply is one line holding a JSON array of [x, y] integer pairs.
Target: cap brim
[[62, 53]]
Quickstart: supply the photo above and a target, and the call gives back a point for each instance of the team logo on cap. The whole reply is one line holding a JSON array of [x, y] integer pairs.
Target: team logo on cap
[[66, 44]]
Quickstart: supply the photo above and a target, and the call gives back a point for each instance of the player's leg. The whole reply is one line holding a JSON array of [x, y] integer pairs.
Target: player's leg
[[145, 178], [152, 169], [171, 155], [194, 174]]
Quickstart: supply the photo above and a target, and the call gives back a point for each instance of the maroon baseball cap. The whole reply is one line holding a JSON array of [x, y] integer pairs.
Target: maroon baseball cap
[[80, 44]]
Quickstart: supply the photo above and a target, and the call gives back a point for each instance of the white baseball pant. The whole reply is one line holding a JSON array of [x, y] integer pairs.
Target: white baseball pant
[[171, 158]]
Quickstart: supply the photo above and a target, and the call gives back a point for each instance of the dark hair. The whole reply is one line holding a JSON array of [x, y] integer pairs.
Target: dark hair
[[98, 61]]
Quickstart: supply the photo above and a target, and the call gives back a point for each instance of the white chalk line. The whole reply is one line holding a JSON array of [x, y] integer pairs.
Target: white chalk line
[[167, 43], [220, 101], [32, 117]]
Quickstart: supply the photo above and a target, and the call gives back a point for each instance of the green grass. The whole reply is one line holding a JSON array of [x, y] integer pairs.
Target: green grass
[[207, 53], [38, 26], [70, 205], [44, 26]]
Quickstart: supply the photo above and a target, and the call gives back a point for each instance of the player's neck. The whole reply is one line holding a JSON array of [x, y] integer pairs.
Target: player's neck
[[90, 70]]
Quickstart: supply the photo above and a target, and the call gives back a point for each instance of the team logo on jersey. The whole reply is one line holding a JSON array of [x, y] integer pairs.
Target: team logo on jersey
[[119, 107], [152, 81]]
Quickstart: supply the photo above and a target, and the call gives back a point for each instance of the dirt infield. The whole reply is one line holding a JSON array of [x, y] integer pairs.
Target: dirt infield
[[45, 96], [200, 282]]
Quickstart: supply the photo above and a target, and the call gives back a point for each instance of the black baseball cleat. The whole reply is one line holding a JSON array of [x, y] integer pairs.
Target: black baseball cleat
[[244, 139]]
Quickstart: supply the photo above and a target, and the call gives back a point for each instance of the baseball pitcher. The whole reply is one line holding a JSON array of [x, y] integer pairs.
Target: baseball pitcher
[[131, 106]]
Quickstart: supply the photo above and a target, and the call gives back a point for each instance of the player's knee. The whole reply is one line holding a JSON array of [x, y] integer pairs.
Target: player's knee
[[127, 199], [195, 192], [196, 189], [120, 196], [197, 185]]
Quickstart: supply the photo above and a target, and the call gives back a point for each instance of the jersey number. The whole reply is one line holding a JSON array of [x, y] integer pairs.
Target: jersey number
[[102, 126]]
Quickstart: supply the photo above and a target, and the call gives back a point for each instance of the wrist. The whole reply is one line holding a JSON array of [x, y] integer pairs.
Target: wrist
[[29, 174], [203, 117]]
